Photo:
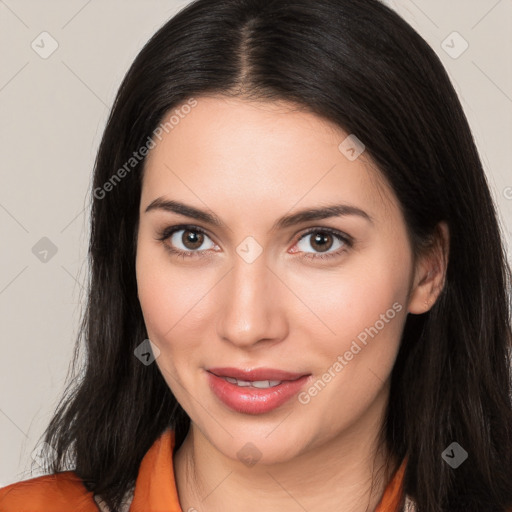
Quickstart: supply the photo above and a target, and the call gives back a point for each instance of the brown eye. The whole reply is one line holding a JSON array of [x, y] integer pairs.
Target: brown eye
[[322, 240], [192, 239], [188, 240], [185, 240]]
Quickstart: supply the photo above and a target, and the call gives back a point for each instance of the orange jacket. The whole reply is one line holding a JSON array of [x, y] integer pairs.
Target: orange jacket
[[155, 488]]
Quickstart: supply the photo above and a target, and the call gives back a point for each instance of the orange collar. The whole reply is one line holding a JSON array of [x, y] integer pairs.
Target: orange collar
[[392, 497], [155, 487]]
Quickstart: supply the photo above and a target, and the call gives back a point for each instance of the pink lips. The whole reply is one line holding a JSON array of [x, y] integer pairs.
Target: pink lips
[[252, 400]]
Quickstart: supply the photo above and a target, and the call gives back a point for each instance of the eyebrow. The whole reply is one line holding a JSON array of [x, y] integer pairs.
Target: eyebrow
[[309, 214]]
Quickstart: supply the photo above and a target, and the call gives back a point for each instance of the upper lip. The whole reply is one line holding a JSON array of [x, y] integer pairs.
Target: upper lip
[[256, 374]]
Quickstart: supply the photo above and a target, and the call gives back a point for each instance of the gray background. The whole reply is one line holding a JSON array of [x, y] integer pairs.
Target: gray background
[[53, 111]]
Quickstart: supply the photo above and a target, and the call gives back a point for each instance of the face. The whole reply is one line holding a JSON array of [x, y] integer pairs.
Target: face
[[322, 296]]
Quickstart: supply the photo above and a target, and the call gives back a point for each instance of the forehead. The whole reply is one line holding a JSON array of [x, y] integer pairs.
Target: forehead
[[253, 156]]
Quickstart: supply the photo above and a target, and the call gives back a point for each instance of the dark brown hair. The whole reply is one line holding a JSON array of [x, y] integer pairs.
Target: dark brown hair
[[358, 64]]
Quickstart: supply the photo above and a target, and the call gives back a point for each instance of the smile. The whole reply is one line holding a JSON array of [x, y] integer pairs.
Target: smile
[[257, 395]]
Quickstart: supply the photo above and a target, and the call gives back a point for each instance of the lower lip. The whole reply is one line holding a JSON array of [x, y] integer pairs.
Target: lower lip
[[250, 400]]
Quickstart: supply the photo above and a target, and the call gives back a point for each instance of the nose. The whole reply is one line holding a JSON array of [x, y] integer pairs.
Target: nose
[[251, 310]]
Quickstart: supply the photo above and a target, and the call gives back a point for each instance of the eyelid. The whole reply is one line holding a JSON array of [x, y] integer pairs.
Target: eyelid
[[332, 231], [168, 231], [346, 239]]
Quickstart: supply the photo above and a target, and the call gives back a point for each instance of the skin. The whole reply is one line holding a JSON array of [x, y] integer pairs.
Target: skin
[[251, 163]]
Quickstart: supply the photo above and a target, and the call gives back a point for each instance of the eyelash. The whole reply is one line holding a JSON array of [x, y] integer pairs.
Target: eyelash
[[166, 233]]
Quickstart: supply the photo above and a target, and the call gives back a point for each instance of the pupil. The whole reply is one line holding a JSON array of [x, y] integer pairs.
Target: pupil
[[192, 240], [320, 240]]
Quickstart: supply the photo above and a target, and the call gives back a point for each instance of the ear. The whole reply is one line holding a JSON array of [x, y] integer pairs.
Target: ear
[[430, 271]]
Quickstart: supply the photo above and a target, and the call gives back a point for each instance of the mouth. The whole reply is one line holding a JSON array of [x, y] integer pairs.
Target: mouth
[[254, 391], [261, 378]]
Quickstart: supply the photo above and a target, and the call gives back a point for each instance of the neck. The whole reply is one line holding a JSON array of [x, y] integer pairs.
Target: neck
[[350, 469]]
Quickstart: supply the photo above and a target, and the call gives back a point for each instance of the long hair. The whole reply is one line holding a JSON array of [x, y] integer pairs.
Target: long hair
[[359, 64]]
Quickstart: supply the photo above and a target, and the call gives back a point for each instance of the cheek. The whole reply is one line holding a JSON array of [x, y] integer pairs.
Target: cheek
[[360, 308], [362, 315], [174, 302], [353, 298], [157, 290], [167, 306]]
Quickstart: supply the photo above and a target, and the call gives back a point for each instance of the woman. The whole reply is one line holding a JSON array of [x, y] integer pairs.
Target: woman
[[298, 295]]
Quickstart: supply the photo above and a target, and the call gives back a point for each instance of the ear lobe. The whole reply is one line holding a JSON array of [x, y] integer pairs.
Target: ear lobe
[[430, 274]]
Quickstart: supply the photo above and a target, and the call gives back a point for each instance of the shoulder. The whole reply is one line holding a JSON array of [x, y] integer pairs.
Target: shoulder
[[59, 492]]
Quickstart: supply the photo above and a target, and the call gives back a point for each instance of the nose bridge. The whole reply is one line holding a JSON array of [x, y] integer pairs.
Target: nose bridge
[[250, 309]]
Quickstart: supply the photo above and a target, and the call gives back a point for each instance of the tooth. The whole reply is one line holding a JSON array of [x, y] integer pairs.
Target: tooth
[[266, 383], [261, 383]]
